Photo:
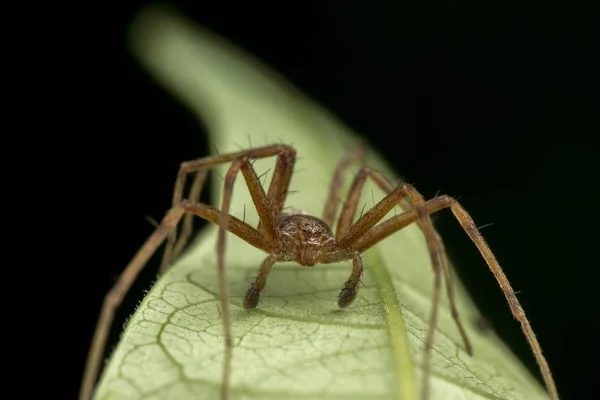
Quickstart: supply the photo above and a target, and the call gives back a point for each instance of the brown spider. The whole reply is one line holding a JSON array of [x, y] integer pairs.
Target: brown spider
[[306, 240]]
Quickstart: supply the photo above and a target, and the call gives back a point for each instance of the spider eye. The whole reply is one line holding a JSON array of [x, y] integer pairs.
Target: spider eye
[[306, 228]]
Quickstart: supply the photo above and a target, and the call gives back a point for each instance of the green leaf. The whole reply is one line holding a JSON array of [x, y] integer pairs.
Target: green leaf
[[297, 344]]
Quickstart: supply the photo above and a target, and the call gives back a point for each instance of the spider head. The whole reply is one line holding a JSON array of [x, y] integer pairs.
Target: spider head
[[306, 237]]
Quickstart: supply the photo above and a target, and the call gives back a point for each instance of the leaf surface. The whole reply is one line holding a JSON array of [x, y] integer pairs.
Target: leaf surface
[[297, 344]]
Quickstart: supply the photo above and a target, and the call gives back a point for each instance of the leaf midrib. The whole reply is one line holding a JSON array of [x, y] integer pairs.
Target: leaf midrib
[[401, 353]]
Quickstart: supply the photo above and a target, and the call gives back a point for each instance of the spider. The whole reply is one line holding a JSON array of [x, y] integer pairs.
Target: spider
[[307, 240]]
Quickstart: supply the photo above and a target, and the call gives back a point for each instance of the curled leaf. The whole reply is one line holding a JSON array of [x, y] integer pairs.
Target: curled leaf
[[297, 344]]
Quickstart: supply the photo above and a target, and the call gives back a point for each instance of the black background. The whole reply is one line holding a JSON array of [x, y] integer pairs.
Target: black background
[[491, 103]]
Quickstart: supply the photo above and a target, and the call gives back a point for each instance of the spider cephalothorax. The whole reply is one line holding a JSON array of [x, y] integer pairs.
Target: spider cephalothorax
[[306, 239]]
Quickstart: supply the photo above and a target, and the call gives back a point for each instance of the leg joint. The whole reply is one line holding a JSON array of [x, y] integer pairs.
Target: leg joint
[[289, 150], [445, 199], [364, 171]]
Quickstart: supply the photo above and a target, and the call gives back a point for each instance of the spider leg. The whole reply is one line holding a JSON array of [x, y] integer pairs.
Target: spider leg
[[269, 227], [345, 222], [267, 240], [114, 298], [280, 183], [349, 211], [353, 197], [202, 164], [350, 290], [172, 251], [398, 222], [333, 197], [451, 298], [268, 210], [278, 190], [282, 175], [253, 293], [349, 234]]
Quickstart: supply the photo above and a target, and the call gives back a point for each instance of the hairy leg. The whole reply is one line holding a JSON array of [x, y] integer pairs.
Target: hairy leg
[[451, 297], [172, 251], [253, 293], [280, 183], [283, 152], [115, 296], [354, 194], [396, 223], [345, 221], [349, 234], [333, 197], [267, 240], [269, 228], [350, 289]]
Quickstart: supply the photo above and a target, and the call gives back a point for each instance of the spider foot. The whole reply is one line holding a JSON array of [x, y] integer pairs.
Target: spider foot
[[251, 298], [346, 297]]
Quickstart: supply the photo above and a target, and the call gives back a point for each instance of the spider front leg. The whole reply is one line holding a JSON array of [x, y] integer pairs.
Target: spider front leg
[[348, 233], [333, 197], [172, 252], [286, 156], [266, 240], [398, 222], [115, 296], [269, 220]]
